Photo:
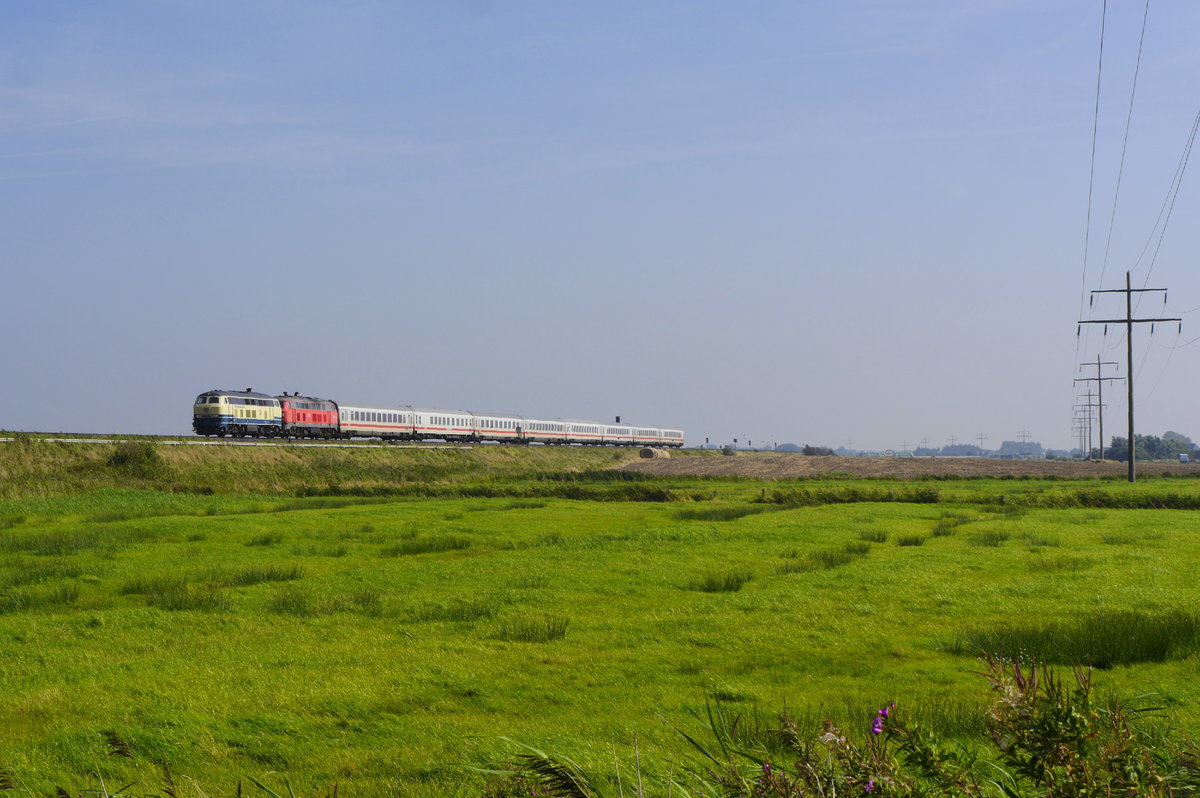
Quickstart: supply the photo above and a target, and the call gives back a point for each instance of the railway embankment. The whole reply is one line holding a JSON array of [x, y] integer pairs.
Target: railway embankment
[[35, 466]]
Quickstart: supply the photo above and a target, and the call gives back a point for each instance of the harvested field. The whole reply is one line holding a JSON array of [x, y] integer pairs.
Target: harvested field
[[771, 465]]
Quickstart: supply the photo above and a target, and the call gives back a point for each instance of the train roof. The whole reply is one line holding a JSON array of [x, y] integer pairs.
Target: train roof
[[219, 392], [286, 395], [370, 406], [511, 416]]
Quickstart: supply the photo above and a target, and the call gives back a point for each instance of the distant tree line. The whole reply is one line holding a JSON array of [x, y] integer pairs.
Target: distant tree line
[[1150, 447]]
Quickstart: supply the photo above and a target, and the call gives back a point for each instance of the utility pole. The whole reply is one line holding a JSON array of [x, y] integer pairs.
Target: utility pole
[[1087, 408], [1080, 430], [981, 438], [1099, 380], [1023, 435], [1129, 321]]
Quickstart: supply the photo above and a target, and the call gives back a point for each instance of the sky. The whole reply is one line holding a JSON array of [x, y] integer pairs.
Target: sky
[[836, 222]]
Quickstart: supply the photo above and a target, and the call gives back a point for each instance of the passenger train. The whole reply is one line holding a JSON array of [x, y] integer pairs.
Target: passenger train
[[241, 414]]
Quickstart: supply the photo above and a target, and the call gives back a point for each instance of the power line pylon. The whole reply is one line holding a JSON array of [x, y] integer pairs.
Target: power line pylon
[[1099, 380], [1080, 430], [1129, 321], [981, 438], [1087, 408]]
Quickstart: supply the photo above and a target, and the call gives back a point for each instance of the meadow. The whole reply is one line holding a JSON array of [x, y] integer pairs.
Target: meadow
[[385, 620]]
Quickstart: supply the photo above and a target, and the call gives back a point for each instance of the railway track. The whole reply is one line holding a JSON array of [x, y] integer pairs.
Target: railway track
[[276, 444]]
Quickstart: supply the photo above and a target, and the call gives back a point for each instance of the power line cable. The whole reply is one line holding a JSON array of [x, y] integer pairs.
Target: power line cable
[[1124, 143], [1087, 232], [1161, 374], [1187, 154], [1145, 357], [1168, 204], [1170, 210]]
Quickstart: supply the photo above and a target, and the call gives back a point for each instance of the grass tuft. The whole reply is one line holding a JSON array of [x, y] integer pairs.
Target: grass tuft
[[367, 601], [533, 628], [728, 582], [185, 596], [989, 537], [266, 573], [1063, 562], [1102, 639], [457, 610], [719, 512], [830, 558], [34, 573], [427, 545], [910, 540], [293, 600]]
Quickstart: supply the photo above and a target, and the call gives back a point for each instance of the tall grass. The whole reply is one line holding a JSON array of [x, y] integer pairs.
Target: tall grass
[[147, 585], [28, 598], [25, 572], [137, 458], [473, 609], [989, 537], [294, 600], [64, 542], [1102, 640], [428, 545], [850, 494], [947, 522], [185, 596], [1064, 562], [728, 582], [367, 601], [265, 573], [532, 628], [718, 513]]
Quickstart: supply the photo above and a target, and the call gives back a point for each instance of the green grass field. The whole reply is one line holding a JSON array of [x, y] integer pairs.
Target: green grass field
[[381, 642]]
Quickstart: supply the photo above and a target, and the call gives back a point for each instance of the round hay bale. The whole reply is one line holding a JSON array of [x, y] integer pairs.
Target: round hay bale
[[655, 454]]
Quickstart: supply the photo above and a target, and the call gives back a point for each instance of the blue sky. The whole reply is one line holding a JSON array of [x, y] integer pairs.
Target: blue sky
[[815, 222]]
